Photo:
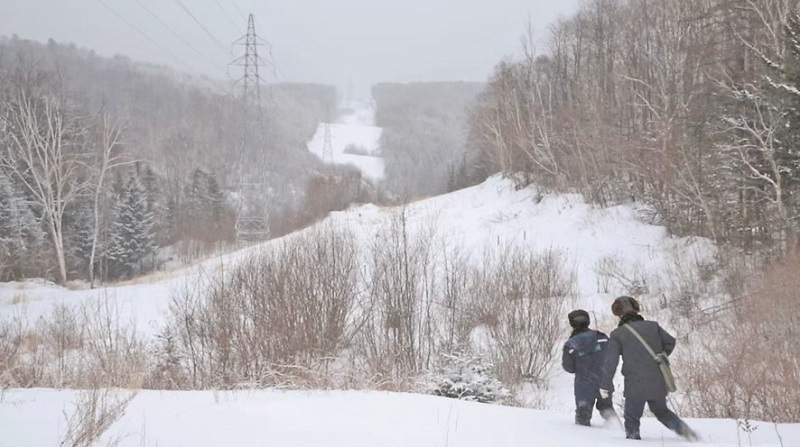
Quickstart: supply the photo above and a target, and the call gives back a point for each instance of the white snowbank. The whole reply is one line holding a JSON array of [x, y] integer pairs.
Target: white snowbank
[[343, 419]]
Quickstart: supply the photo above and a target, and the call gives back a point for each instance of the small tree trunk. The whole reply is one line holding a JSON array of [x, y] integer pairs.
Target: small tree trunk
[[58, 244]]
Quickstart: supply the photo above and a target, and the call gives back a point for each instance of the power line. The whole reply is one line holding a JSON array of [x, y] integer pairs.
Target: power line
[[175, 33], [163, 48], [236, 6], [155, 42], [185, 9], [227, 16]]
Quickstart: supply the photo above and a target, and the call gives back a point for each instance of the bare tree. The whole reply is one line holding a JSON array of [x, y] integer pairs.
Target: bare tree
[[45, 155], [106, 159]]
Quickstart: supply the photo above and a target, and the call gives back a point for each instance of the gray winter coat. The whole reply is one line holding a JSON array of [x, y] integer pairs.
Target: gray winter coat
[[643, 379]]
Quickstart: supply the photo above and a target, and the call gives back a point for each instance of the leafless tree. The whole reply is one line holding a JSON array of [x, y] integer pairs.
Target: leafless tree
[[107, 158], [46, 155]]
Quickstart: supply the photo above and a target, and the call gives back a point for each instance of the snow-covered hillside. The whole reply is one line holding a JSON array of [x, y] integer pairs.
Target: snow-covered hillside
[[478, 218], [37, 418]]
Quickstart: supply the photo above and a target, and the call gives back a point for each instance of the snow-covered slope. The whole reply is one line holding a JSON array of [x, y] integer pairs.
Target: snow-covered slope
[[479, 218], [36, 418], [495, 214]]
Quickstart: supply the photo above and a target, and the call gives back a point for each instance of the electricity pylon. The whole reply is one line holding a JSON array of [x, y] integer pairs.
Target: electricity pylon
[[252, 216]]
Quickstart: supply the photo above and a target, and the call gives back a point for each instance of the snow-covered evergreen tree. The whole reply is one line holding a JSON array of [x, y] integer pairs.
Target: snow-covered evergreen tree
[[20, 230], [467, 377], [205, 207], [162, 222], [132, 235], [81, 231]]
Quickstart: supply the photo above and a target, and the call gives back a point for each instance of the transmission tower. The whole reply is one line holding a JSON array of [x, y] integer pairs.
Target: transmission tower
[[252, 219], [327, 147]]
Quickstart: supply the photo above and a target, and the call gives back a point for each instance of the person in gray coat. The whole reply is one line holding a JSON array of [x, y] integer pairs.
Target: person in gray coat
[[644, 383]]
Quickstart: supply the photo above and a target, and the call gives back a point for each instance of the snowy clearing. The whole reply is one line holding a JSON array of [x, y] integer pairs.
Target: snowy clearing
[[355, 128]]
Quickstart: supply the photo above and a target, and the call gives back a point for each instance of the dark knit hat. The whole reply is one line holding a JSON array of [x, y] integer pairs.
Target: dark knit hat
[[625, 305], [578, 319]]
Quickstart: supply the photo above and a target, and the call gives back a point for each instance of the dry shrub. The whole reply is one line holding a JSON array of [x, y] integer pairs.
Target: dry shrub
[[114, 354], [749, 366], [613, 276], [272, 312], [12, 333], [521, 297], [95, 411], [397, 338], [80, 347]]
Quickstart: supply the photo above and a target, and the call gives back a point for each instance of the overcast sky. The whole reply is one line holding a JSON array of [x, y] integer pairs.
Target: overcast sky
[[338, 42]]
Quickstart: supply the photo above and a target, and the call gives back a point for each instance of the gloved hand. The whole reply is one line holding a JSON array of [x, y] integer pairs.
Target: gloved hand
[[604, 393]]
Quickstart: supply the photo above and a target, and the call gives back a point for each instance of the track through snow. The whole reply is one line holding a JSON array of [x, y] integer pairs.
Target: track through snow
[[36, 418]]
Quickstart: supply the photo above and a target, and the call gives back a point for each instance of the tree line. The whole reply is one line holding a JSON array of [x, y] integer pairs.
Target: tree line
[[105, 162], [424, 137], [688, 107]]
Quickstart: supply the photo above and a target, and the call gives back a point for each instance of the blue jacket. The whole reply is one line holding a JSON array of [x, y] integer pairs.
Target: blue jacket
[[584, 356]]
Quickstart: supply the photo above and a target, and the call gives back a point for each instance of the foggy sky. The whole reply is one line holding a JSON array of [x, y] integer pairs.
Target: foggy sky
[[339, 42]]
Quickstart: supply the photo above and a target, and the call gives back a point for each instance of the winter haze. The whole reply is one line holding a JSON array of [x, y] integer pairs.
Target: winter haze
[[415, 231], [342, 42]]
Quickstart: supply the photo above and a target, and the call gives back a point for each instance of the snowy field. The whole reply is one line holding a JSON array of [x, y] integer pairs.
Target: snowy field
[[354, 128], [37, 418]]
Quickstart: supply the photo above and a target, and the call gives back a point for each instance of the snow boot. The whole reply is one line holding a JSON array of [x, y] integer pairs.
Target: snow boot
[[610, 418], [688, 434], [633, 436]]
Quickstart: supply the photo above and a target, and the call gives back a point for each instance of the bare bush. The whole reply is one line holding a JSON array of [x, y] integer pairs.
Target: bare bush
[[95, 411], [398, 337], [454, 276], [272, 312], [114, 355], [11, 344], [748, 364], [61, 335], [613, 276], [521, 297], [87, 346]]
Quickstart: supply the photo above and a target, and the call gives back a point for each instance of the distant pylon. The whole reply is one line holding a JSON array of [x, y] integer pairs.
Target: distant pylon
[[252, 215], [327, 147]]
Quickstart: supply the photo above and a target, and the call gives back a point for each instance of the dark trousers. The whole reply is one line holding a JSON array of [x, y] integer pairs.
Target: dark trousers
[[634, 408], [583, 408]]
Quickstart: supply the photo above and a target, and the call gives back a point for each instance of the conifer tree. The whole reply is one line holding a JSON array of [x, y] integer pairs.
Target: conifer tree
[[132, 236], [20, 230]]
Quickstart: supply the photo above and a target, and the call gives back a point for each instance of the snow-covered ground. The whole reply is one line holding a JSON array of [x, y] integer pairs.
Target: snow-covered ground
[[37, 418], [353, 128]]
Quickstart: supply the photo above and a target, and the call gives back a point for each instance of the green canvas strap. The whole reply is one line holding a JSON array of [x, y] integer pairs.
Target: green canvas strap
[[669, 380], [641, 339]]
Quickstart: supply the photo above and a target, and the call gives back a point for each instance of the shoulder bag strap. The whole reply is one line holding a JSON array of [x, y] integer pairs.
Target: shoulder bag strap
[[641, 339]]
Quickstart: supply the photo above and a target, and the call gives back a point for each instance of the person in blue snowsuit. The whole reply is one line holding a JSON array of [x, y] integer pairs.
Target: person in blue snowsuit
[[584, 356]]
